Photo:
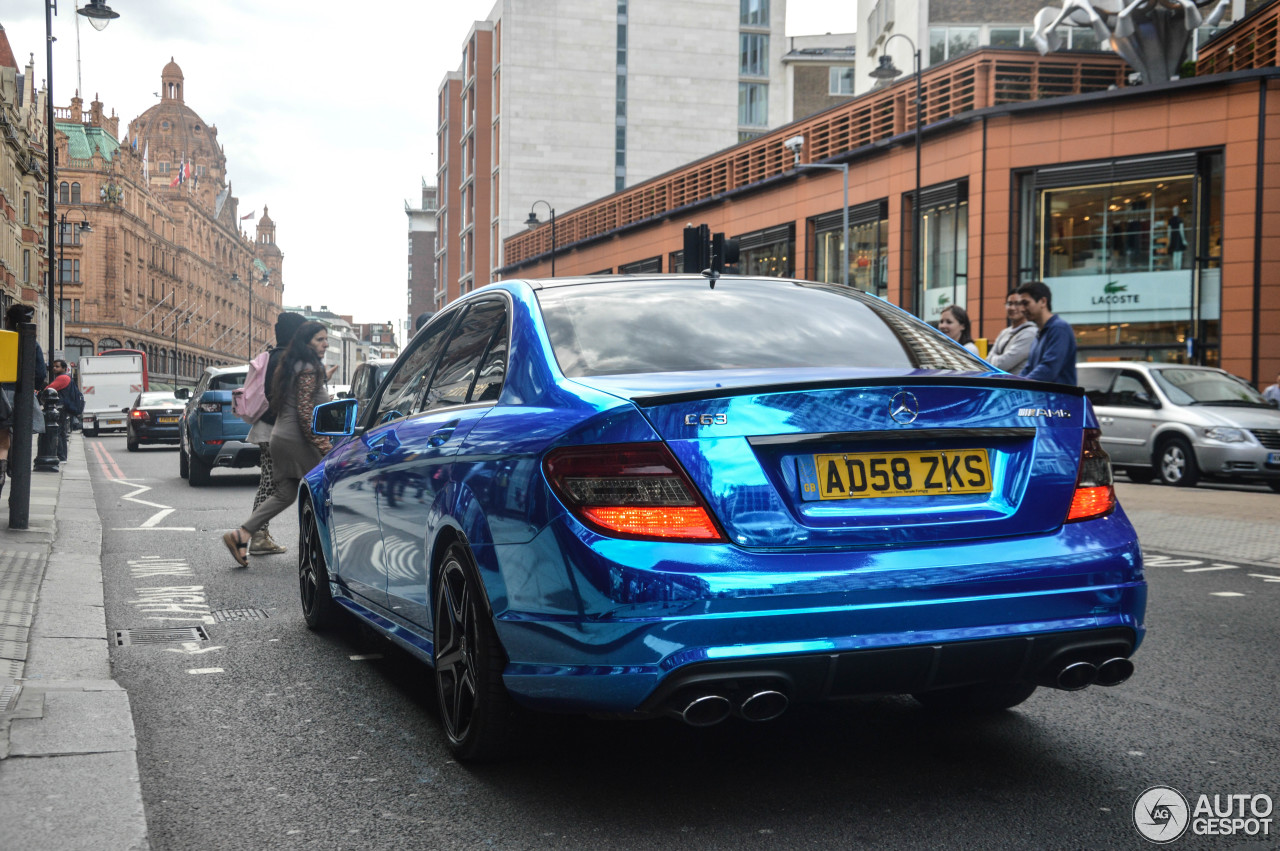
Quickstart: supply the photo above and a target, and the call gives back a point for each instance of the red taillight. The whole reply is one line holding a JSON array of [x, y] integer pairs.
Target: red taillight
[[633, 490], [137, 415], [1095, 495]]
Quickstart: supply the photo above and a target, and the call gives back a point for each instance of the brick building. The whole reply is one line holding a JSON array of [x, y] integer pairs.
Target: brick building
[[422, 257], [166, 267]]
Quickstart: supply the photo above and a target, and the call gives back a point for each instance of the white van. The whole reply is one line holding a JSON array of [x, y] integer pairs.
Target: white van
[[110, 383]]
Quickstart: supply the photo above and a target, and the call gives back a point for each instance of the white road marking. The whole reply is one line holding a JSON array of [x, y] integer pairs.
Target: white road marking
[[360, 657], [193, 648], [1265, 577], [205, 671], [156, 518], [150, 566], [155, 529], [1215, 567], [1225, 594]]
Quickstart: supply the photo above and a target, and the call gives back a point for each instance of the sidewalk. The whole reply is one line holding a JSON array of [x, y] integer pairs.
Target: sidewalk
[[68, 756]]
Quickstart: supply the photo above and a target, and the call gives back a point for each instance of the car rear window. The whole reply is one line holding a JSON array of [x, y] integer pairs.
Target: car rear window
[[643, 326], [230, 381]]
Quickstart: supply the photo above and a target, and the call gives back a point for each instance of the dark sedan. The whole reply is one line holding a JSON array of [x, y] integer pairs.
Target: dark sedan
[[153, 418]]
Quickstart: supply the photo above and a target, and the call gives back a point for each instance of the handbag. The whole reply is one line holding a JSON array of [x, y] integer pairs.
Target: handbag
[[7, 410]]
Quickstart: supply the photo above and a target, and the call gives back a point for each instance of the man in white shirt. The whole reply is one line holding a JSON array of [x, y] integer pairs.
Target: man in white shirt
[[1272, 393], [1013, 344]]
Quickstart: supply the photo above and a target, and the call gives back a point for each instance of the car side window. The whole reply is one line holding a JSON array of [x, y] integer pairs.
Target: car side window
[[412, 372], [460, 364], [1130, 391], [357, 383], [493, 367], [1096, 382]]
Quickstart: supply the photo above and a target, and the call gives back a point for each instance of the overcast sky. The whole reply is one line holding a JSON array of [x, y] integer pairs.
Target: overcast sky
[[327, 113]]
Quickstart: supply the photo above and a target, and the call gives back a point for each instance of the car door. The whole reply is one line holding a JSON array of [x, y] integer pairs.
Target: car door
[[358, 475], [467, 383], [1134, 414]]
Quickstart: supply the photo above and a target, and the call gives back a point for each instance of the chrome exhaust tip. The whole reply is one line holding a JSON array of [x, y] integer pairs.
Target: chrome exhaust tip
[[1114, 671], [764, 705], [1076, 676], [706, 711]]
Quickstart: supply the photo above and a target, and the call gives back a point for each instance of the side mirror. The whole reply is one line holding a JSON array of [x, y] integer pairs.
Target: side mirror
[[182, 393], [1146, 399], [335, 419]]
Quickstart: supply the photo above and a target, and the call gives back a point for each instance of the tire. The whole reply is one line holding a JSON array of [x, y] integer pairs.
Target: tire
[[130, 443], [975, 699], [318, 608], [199, 472], [1177, 463], [477, 713], [1141, 475], [1274, 485], [184, 462], [90, 432]]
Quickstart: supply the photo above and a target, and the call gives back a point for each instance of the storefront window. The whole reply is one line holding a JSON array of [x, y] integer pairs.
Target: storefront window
[[767, 253], [1121, 259], [868, 251], [944, 243]]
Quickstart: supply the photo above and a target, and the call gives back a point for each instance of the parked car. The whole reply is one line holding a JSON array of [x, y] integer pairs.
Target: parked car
[[1183, 423], [210, 434], [676, 497], [367, 377], [154, 417]]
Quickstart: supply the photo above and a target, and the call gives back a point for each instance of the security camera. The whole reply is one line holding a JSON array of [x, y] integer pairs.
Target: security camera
[[794, 144]]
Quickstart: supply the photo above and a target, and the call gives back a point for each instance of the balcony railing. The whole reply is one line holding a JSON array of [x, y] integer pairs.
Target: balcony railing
[[1252, 43], [974, 81]]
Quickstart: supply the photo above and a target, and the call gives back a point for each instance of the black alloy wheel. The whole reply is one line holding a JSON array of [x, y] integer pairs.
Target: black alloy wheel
[[318, 608], [478, 714], [977, 698]]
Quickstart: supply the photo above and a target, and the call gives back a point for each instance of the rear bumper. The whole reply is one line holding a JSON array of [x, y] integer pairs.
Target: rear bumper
[[231, 453], [154, 433], [105, 422], [619, 628]]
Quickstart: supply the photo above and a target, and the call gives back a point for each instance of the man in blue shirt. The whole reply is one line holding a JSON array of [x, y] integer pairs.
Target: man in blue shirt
[[1053, 355]]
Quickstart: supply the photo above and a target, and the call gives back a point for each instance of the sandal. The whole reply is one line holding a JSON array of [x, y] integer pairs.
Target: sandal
[[238, 548]]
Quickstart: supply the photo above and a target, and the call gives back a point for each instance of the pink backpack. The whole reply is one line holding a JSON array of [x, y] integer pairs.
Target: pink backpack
[[249, 402]]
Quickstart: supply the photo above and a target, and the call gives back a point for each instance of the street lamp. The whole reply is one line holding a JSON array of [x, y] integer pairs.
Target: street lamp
[[81, 227], [887, 71], [186, 320], [99, 14], [533, 222], [795, 144]]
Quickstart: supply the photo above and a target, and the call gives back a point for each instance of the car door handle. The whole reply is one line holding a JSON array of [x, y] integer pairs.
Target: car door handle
[[441, 435], [1106, 420], [383, 444]]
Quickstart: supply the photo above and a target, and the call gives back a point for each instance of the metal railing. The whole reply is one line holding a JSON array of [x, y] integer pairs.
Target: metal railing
[[987, 77], [1252, 43]]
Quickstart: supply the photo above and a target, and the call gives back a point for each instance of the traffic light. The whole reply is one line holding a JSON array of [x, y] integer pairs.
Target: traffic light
[[707, 252]]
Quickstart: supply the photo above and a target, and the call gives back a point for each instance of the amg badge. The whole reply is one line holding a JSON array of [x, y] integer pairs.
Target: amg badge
[[1044, 412]]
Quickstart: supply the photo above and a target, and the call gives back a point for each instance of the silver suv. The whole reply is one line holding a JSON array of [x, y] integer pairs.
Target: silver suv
[[1183, 423]]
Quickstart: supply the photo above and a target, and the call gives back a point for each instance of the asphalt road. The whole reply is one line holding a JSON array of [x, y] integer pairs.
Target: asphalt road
[[268, 735]]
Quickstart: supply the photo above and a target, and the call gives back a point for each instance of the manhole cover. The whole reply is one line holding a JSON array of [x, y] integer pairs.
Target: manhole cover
[[240, 615], [160, 635]]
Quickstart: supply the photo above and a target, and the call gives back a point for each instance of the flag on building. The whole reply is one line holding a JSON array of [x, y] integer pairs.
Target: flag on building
[[177, 178], [250, 216], [146, 171]]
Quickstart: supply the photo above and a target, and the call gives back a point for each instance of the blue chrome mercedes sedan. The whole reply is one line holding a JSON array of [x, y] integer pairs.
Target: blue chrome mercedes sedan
[[701, 497]]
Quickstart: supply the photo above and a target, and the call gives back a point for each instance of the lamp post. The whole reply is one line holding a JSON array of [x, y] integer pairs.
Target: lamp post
[[99, 14], [533, 222], [185, 320], [81, 227], [886, 71], [795, 144]]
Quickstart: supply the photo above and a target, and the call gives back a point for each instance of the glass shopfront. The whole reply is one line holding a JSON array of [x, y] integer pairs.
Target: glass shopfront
[[944, 242], [868, 247], [1132, 252], [768, 253]]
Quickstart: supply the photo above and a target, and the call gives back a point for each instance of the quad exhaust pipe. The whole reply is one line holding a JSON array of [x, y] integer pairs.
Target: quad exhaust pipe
[[710, 708], [1079, 674]]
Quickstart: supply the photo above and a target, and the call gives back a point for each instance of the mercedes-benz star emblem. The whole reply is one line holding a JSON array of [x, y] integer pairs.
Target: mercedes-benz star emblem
[[903, 407]]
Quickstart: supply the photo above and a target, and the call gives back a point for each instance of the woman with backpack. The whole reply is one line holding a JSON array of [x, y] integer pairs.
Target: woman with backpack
[[297, 386], [286, 325]]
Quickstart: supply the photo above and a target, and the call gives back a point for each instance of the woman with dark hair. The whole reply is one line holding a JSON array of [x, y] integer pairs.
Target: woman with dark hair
[[954, 322], [297, 386]]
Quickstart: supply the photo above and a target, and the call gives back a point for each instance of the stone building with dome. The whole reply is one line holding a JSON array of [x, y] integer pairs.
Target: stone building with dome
[[167, 267]]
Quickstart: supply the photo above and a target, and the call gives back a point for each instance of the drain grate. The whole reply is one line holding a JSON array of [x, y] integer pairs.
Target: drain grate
[[240, 615], [9, 696], [160, 635]]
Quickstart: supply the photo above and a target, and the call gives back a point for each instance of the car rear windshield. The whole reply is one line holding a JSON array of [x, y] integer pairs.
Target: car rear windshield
[[229, 381], [160, 400], [643, 326]]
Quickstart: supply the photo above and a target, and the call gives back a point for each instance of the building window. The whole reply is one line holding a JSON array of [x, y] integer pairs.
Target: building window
[[944, 241], [70, 271], [68, 233], [768, 253], [650, 265], [949, 42], [868, 247], [64, 193], [26, 208], [1132, 251], [754, 13], [26, 266], [75, 193], [620, 116], [753, 54], [840, 82], [753, 104]]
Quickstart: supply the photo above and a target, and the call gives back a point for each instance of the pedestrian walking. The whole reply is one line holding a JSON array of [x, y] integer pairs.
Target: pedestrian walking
[[286, 325], [71, 401], [1013, 343], [1053, 354], [1272, 393], [297, 387], [954, 322], [13, 317]]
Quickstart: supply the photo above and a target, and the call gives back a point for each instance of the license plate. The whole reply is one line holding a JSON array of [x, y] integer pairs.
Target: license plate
[[1273, 457], [881, 474], [166, 420], [115, 422]]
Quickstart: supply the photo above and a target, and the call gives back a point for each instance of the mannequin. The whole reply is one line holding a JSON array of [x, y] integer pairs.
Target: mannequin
[[1177, 239]]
